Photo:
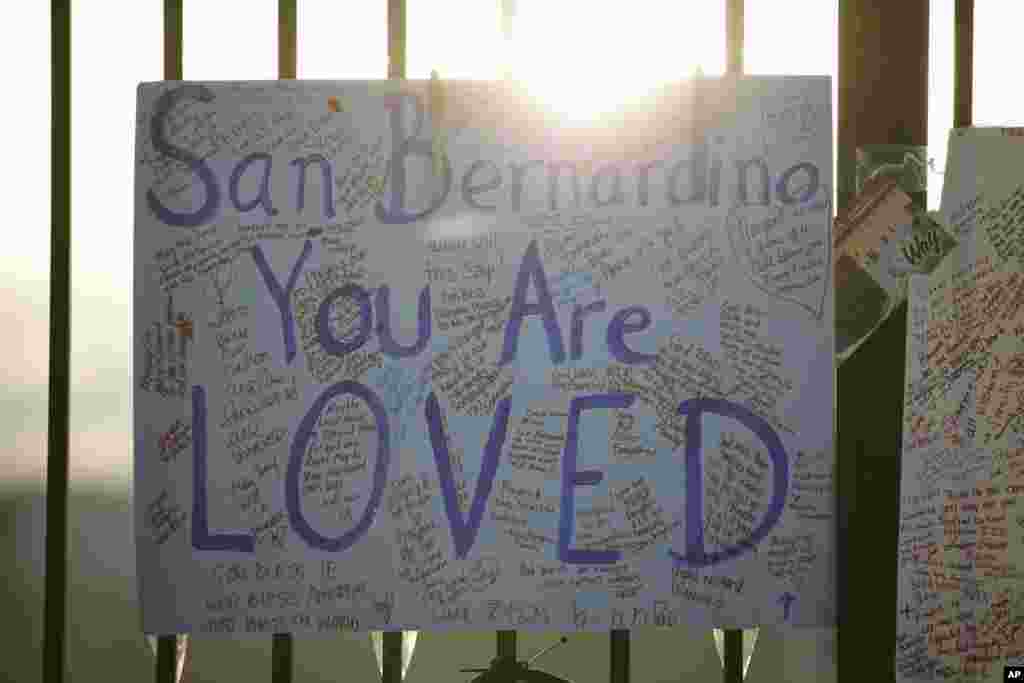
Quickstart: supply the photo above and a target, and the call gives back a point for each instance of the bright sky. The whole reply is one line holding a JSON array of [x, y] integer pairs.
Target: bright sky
[[586, 53]]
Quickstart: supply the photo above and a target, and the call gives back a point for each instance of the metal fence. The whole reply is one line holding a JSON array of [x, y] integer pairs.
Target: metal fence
[[57, 569]]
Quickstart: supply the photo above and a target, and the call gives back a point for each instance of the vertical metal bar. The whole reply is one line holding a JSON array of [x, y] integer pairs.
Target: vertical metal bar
[[281, 658], [396, 39], [167, 645], [507, 644], [55, 598], [619, 656], [287, 38], [883, 98], [391, 663], [172, 40], [392, 646], [732, 671], [283, 645], [508, 15], [734, 36], [732, 647], [166, 659], [963, 61]]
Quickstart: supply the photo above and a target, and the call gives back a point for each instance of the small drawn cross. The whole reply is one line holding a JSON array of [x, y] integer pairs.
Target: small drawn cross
[[786, 599], [906, 611]]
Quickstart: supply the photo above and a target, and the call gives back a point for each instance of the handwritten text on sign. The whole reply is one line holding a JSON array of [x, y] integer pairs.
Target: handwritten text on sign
[[533, 377]]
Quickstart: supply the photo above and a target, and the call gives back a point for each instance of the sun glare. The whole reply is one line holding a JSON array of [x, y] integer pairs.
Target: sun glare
[[585, 59], [582, 59]]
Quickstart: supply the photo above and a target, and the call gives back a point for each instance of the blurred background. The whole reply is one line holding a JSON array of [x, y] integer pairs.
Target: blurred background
[[582, 54]]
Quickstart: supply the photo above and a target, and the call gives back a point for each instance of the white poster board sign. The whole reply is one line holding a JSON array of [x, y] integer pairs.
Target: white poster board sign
[[409, 356], [961, 594]]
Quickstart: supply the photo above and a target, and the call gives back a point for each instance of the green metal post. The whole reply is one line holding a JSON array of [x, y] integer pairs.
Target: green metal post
[[55, 599], [619, 656], [506, 644], [282, 649], [732, 657], [963, 58], [391, 661], [396, 38], [167, 645], [172, 40]]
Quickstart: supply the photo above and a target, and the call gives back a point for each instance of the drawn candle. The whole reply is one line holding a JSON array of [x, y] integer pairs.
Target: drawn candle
[[170, 354], [147, 374], [169, 365], [158, 379], [181, 354], [184, 327]]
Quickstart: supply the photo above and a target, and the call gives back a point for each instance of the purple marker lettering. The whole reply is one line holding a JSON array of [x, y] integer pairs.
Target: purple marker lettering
[[572, 478], [283, 297], [303, 434], [464, 531], [531, 268]]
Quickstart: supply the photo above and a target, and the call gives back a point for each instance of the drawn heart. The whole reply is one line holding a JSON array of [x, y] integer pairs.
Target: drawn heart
[[786, 250]]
